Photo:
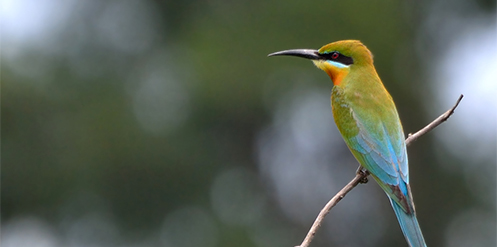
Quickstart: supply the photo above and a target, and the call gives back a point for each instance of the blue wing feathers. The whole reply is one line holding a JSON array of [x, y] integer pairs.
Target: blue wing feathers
[[377, 157], [362, 146], [376, 145], [381, 149]]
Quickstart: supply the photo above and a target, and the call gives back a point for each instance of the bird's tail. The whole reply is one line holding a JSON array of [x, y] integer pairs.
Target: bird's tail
[[409, 225]]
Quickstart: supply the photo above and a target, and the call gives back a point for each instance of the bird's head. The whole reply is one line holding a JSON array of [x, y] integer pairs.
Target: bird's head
[[337, 59]]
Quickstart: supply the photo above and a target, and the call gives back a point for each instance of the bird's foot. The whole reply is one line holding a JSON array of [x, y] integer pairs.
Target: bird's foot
[[363, 173]]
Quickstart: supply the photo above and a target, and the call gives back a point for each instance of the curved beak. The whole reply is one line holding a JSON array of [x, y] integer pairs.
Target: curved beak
[[305, 53]]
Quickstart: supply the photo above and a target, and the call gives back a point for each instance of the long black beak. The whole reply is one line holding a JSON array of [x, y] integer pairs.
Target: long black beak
[[305, 53]]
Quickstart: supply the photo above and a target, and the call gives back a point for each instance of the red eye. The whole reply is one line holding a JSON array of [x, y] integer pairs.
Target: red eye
[[334, 55]]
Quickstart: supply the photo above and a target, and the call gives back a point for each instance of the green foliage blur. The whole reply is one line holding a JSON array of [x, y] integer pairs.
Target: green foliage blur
[[128, 123]]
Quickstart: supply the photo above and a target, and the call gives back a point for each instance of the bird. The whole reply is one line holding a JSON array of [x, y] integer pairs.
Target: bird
[[369, 123]]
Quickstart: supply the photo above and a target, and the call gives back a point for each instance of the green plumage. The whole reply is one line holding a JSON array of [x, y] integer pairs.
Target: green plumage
[[368, 121], [367, 118]]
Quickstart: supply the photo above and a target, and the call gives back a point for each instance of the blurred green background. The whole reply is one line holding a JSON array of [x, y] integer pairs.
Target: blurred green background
[[163, 123]]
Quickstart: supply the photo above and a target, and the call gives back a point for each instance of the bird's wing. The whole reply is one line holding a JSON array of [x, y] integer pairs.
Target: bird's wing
[[380, 148]]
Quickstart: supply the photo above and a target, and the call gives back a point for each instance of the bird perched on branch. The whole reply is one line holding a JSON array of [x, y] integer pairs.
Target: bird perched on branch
[[366, 116]]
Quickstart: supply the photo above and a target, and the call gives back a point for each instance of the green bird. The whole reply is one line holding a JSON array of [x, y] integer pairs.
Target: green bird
[[367, 118]]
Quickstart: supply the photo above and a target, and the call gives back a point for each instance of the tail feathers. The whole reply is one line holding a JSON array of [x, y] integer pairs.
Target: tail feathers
[[409, 225]]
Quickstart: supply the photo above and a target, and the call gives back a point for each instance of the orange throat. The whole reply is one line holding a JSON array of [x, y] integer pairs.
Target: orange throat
[[336, 74]]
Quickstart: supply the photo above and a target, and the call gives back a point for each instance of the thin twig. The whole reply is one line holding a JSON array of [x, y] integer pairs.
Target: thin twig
[[432, 125], [362, 174]]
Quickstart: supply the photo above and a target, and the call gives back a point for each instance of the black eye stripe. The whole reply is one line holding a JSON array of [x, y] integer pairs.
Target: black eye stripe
[[341, 58]]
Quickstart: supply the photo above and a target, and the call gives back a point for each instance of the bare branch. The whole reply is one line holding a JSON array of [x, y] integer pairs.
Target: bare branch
[[434, 124], [362, 174]]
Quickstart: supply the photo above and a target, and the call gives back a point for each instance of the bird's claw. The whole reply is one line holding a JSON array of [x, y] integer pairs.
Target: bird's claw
[[364, 173]]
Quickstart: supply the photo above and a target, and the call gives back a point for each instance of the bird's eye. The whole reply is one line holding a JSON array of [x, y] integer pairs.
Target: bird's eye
[[334, 55]]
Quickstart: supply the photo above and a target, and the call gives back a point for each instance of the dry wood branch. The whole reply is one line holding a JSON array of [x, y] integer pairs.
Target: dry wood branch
[[435, 123], [362, 174]]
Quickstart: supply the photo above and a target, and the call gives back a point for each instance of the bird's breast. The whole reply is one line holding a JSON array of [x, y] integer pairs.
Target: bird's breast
[[343, 114]]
